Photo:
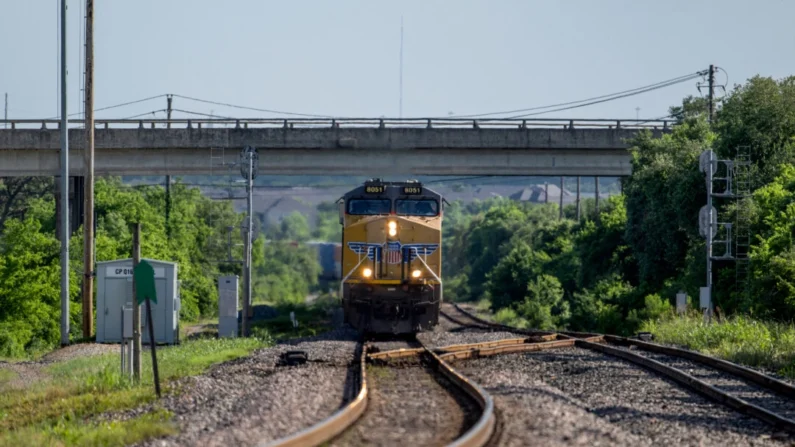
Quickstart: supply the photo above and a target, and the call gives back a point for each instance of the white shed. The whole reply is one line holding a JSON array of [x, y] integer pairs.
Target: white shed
[[114, 291]]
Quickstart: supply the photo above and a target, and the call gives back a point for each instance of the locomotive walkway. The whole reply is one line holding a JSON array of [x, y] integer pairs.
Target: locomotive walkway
[[331, 146]]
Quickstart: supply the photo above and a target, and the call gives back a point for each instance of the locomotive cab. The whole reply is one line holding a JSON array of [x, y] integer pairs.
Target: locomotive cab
[[391, 261]]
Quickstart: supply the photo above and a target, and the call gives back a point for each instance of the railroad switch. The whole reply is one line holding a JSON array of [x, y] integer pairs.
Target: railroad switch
[[292, 358]]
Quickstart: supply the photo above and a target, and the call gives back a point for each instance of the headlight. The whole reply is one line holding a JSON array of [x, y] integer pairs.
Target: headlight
[[392, 228], [367, 273], [416, 273]]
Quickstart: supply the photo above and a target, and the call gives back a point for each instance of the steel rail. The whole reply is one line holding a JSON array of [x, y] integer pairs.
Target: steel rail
[[443, 350], [756, 377], [504, 327], [694, 384], [335, 424], [480, 433], [582, 340], [511, 349]]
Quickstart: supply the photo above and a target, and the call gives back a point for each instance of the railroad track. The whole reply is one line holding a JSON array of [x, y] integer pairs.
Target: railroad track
[[421, 375], [743, 389]]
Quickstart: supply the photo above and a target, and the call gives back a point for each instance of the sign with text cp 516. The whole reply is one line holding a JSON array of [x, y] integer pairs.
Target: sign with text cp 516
[[126, 271]]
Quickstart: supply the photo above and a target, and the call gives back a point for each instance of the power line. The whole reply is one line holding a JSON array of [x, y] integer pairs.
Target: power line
[[117, 105], [202, 114], [153, 112], [638, 90], [234, 106], [626, 95]]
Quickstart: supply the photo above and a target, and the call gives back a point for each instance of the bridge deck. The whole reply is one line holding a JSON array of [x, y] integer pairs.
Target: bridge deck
[[341, 147]]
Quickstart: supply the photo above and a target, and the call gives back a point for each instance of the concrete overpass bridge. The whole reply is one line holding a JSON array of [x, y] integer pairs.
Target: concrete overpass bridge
[[364, 146]]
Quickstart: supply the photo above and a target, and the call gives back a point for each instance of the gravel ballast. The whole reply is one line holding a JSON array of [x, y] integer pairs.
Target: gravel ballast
[[605, 401], [410, 406], [728, 383], [254, 399]]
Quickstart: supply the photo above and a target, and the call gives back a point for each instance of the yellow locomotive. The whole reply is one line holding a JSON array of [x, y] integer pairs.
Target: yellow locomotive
[[391, 257]]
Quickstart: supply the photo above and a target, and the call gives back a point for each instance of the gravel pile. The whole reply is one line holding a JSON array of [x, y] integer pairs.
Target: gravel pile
[[255, 399], [410, 406], [601, 400], [733, 385]]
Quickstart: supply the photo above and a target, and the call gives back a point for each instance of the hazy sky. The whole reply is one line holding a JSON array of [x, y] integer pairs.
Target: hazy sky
[[342, 57]]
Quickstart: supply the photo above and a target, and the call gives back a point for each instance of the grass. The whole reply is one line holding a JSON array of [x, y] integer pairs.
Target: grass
[[312, 320], [61, 409], [509, 317], [6, 375], [769, 345], [106, 433]]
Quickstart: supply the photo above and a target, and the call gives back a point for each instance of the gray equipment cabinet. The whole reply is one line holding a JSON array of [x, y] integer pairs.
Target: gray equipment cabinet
[[227, 306], [114, 291]]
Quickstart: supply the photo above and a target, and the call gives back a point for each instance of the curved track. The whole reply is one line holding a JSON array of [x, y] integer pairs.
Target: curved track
[[422, 397], [740, 388]]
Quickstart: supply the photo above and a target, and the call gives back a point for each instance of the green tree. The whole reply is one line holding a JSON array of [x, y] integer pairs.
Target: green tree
[[761, 115], [663, 199], [543, 306]]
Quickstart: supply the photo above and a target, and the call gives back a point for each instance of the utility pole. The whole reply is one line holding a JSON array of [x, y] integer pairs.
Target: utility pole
[[711, 94], [596, 194], [88, 216], [401, 67], [64, 189], [546, 192], [248, 169], [136, 255], [578, 198], [169, 99]]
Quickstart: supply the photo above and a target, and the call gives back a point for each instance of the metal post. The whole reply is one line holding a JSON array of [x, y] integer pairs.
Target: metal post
[[578, 198], [168, 207], [711, 95], [64, 189], [122, 341], [710, 220], [596, 194], [546, 192], [136, 255], [88, 214], [400, 113], [168, 111], [560, 216], [250, 220]]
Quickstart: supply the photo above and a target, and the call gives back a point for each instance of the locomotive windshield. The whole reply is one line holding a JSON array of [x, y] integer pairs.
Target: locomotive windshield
[[417, 207], [369, 207]]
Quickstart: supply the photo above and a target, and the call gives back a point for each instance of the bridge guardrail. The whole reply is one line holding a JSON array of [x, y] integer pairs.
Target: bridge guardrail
[[318, 123]]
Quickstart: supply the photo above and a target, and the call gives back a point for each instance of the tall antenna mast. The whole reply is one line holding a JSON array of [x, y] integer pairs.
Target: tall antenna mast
[[401, 67]]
